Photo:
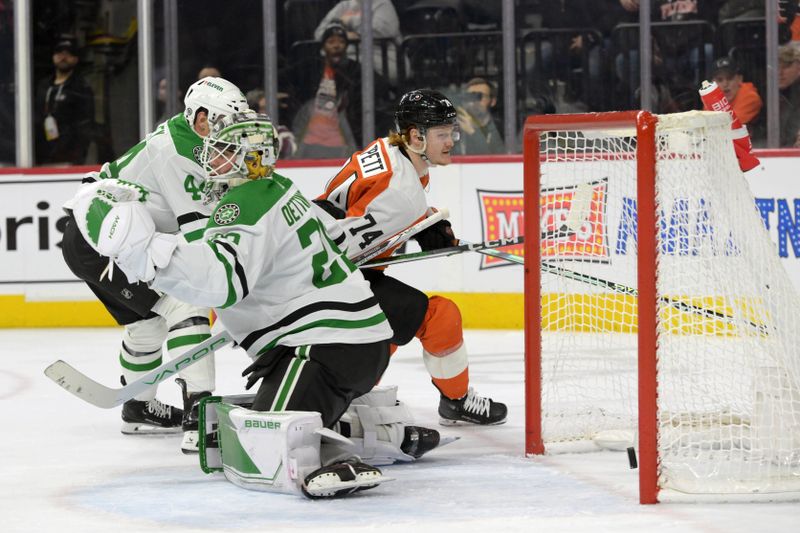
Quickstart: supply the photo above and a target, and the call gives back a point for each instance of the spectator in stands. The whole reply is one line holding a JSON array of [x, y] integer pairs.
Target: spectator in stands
[[732, 9], [743, 96], [566, 52], [789, 86], [681, 47], [740, 9], [479, 133], [209, 70], [64, 109], [385, 25], [257, 101], [325, 99]]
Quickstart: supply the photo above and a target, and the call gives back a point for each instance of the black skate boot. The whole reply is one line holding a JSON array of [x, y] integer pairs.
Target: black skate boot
[[419, 440], [191, 402], [341, 478], [472, 409], [150, 418]]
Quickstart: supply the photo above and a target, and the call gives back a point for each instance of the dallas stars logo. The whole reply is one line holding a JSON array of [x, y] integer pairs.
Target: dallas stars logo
[[226, 214], [196, 151]]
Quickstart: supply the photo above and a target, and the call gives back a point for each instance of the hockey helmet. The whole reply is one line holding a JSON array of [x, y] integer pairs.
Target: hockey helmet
[[240, 147], [424, 108], [217, 96]]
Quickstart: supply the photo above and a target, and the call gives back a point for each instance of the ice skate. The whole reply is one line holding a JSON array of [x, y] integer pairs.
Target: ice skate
[[150, 418], [472, 409], [342, 478]]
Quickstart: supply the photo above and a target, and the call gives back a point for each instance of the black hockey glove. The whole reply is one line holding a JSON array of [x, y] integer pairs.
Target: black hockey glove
[[330, 208], [440, 235]]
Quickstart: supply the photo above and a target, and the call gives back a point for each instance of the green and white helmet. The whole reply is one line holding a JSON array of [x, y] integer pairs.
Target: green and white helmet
[[217, 96], [240, 147]]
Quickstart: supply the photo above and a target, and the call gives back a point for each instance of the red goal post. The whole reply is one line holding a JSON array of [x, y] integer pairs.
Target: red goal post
[[685, 306]]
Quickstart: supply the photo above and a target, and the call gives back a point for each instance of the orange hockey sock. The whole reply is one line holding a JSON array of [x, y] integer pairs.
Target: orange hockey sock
[[444, 353]]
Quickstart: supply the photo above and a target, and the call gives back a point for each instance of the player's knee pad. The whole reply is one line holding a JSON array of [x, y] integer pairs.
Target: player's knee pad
[[446, 365], [180, 315], [441, 331], [144, 336], [375, 423], [259, 450], [187, 325]]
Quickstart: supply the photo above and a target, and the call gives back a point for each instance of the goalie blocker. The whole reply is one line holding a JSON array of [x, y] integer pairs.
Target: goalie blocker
[[291, 451]]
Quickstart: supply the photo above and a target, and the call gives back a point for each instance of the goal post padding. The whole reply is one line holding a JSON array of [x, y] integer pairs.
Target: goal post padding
[[686, 334]]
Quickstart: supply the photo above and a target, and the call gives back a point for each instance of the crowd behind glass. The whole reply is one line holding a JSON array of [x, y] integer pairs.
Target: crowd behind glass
[[570, 56]]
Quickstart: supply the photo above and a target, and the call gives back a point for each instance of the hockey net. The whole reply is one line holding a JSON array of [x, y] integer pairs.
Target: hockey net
[[660, 316]]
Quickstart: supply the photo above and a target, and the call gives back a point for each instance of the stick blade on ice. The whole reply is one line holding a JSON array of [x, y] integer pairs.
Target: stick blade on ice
[[76, 383]]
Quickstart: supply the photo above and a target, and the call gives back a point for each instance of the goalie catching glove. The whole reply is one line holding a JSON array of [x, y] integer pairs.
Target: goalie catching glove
[[112, 217]]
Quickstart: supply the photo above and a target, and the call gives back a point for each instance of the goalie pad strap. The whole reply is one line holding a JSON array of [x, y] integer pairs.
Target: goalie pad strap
[[377, 428]]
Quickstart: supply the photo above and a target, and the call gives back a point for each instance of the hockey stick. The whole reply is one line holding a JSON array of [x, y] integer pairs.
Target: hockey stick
[[87, 389], [482, 247], [578, 212], [400, 237], [624, 289]]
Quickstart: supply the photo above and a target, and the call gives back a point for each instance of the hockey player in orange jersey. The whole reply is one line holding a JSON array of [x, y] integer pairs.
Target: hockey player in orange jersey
[[380, 191]]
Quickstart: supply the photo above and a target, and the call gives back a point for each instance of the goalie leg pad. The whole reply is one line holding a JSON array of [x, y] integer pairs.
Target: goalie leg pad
[[267, 451], [378, 428]]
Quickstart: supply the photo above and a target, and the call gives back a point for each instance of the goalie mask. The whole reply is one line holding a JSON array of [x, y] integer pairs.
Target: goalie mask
[[239, 148]]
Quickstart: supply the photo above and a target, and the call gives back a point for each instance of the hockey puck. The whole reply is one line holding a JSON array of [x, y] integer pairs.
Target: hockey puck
[[632, 458]]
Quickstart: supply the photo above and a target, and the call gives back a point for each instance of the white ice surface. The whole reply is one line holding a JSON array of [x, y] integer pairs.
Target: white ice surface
[[66, 467]]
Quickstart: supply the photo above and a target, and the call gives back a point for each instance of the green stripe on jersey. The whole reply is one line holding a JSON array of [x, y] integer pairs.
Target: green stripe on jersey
[[333, 323], [194, 235], [254, 199], [187, 143], [231, 299]]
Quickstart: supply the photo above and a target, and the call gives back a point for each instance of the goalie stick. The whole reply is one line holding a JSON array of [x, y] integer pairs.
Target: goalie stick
[[85, 388], [465, 246], [400, 237]]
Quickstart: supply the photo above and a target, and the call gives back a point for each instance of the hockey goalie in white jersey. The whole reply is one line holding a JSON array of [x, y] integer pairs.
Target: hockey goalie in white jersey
[[291, 299]]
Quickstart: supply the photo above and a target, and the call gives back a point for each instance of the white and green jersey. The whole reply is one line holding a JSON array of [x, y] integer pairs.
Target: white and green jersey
[[166, 164], [273, 275]]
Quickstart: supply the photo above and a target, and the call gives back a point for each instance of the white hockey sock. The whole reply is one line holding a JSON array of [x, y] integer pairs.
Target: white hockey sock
[[141, 351]]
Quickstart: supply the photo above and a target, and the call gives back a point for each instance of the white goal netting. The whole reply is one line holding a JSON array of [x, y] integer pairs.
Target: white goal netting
[[728, 333]]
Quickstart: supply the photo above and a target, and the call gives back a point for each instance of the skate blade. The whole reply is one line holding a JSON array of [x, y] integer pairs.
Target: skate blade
[[444, 441], [451, 422], [330, 490], [135, 428]]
